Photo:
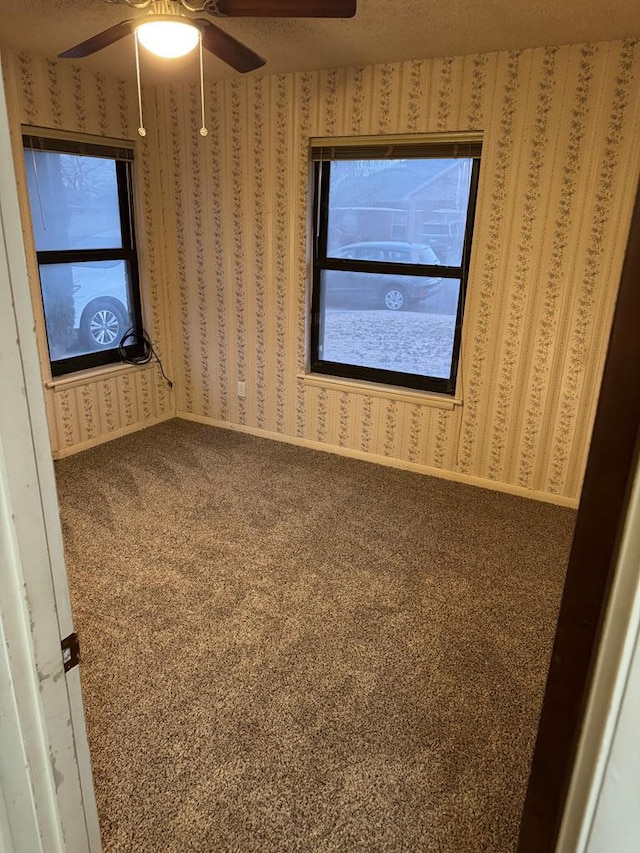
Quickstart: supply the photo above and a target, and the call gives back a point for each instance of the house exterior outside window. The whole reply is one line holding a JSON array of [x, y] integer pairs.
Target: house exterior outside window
[[392, 241]]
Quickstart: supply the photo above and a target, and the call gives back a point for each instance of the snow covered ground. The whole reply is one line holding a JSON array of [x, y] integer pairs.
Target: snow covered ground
[[405, 341]]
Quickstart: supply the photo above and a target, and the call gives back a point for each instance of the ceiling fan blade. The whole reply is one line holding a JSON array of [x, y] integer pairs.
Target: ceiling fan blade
[[226, 48], [287, 8], [99, 41]]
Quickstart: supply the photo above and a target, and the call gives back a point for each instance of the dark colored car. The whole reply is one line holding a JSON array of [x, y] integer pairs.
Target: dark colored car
[[383, 290]]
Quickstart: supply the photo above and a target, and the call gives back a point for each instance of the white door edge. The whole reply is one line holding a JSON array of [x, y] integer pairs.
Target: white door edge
[[48, 801]]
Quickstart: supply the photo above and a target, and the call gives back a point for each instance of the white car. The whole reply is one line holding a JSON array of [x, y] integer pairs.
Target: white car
[[101, 295], [100, 301]]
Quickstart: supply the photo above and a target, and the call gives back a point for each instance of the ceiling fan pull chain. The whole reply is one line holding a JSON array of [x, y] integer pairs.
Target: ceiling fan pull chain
[[203, 129], [141, 129]]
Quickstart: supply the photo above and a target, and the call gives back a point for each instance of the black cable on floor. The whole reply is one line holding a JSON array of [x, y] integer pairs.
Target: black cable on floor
[[135, 336]]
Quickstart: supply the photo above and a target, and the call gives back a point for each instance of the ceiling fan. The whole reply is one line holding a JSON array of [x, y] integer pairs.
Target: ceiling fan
[[170, 29]]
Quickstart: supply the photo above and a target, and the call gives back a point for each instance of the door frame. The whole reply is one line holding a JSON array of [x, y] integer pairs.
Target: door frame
[[601, 810], [48, 801]]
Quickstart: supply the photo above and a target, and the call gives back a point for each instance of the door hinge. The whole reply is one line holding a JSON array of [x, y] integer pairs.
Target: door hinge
[[70, 651]]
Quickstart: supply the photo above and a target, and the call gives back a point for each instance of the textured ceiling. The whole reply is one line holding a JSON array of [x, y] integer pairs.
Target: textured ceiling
[[383, 30]]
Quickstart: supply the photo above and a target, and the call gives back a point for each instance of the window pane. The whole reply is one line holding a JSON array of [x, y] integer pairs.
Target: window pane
[[86, 305], [375, 203], [384, 322], [74, 201]]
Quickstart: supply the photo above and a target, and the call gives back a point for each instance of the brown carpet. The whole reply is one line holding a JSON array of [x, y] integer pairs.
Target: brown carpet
[[284, 650]]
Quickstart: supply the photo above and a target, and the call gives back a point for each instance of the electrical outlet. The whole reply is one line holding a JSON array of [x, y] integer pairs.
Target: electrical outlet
[[242, 389]]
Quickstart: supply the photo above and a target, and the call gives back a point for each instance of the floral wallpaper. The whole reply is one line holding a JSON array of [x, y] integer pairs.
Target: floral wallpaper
[[558, 178], [47, 93], [223, 225]]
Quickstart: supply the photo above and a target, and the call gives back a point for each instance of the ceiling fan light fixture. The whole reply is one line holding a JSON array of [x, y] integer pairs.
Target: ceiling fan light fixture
[[168, 39]]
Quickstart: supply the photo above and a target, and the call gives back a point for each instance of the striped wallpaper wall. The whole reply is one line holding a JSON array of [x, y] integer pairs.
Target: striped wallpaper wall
[[63, 95], [559, 172], [223, 224]]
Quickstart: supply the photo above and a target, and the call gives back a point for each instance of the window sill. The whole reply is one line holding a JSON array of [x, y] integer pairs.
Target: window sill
[[95, 374], [388, 392]]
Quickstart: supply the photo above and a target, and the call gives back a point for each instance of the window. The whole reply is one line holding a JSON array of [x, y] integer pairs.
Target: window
[[81, 202], [385, 309]]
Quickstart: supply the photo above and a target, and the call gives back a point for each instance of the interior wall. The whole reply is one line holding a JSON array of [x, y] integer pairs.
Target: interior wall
[[88, 408], [224, 249], [558, 176]]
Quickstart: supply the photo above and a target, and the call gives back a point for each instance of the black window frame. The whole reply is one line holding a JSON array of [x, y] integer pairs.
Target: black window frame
[[322, 262], [123, 158]]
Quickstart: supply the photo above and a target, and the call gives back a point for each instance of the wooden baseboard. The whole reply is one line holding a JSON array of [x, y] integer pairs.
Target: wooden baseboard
[[455, 476], [110, 436]]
